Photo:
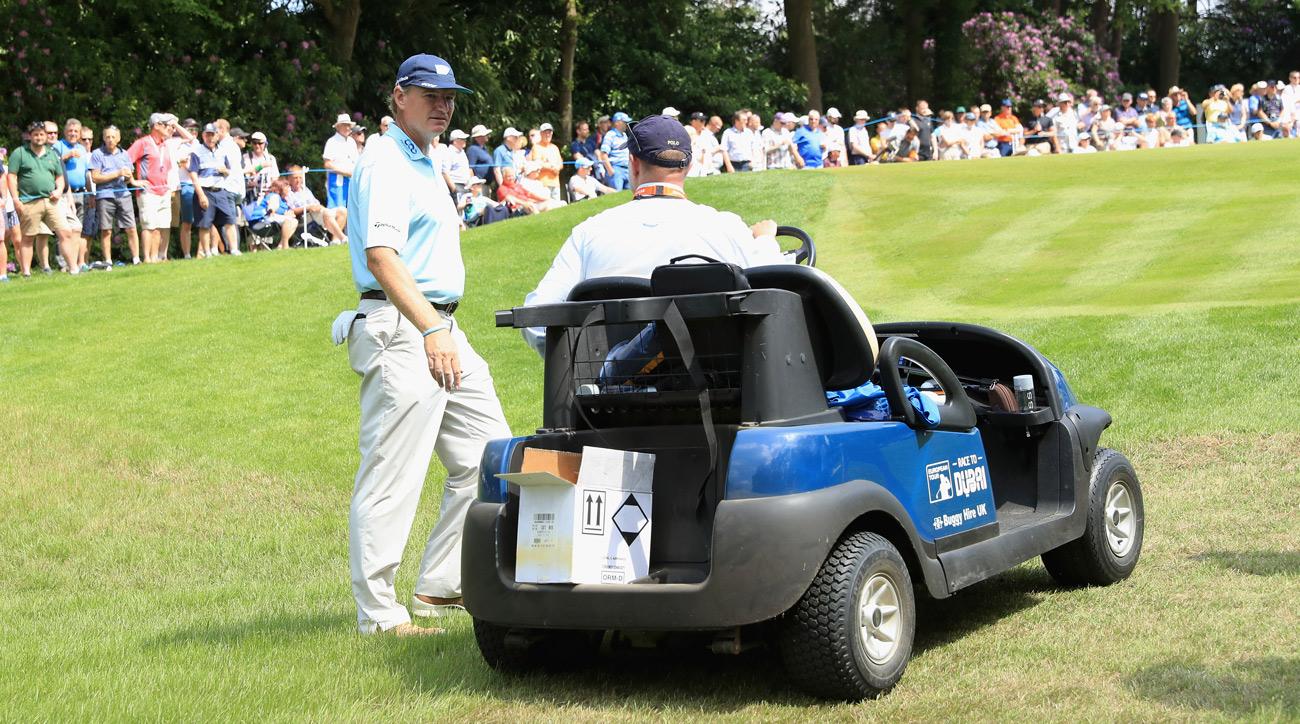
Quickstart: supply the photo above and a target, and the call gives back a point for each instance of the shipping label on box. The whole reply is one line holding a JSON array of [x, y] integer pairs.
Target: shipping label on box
[[595, 531]]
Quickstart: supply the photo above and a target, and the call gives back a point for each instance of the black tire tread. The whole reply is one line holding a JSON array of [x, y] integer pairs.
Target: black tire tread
[[818, 657], [1084, 560]]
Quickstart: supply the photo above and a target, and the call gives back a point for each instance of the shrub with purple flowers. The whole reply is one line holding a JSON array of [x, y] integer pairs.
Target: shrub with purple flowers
[[1018, 57]]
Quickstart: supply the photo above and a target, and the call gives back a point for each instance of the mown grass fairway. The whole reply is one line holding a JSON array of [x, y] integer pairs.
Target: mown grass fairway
[[180, 445]]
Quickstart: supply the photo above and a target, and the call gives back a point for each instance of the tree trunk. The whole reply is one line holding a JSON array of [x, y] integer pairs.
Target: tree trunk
[[803, 49], [568, 46], [948, 49], [343, 17], [1099, 20], [913, 38], [1166, 31]]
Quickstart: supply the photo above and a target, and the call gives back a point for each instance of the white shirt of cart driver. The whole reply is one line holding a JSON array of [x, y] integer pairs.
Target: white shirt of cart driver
[[634, 238]]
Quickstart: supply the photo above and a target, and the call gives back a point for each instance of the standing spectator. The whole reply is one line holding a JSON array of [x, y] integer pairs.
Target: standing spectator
[[549, 162], [90, 219], [860, 139], [505, 156], [261, 165], [383, 124], [183, 199], [304, 204], [1009, 129], [582, 185], [230, 156], [455, 163], [36, 184], [213, 207], [811, 141], [75, 160], [110, 170], [1217, 112], [154, 164], [358, 136], [977, 138], [778, 144], [614, 154], [757, 154], [835, 137], [705, 149], [5, 202], [1067, 124], [736, 146], [925, 131], [583, 145], [480, 159], [1291, 104], [1185, 112], [340, 156]]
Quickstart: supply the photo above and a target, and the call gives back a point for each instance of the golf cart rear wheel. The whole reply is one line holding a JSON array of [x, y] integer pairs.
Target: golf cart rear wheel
[[522, 650], [850, 635], [1111, 543]]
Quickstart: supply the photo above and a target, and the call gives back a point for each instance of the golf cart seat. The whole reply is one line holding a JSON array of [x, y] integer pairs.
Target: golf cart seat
[[610, 288], [843, 340]]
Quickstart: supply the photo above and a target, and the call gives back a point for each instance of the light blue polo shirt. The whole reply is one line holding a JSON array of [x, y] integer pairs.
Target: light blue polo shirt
[[615, 146], [74, 169], [399, 200]]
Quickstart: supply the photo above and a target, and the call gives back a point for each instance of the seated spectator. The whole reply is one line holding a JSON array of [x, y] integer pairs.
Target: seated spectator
[[908, 149], [1009, 129], [477, 209], [582, 185], [1258, 132], [260, 166], [951, 138], [1066, 122], [1106, 129], [1239, 115], [304, 205], [978, 138], [1085, 143], [1178, 138], [270, 214], [1040, 136], [835, 138], [517, 197], [989, 130], [1270, 112]]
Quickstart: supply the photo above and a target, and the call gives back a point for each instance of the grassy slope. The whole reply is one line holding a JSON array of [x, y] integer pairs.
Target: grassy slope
[[181, 443]]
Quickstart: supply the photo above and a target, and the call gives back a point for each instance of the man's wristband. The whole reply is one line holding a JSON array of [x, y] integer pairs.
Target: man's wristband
[[435, 328]]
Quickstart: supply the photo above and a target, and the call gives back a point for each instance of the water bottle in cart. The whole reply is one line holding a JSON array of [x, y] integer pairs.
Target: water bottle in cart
[[1024, 387]]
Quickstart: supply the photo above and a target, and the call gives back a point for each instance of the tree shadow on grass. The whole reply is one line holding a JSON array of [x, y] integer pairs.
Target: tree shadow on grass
[[1263, 684], [1255, 563], [683, 674]]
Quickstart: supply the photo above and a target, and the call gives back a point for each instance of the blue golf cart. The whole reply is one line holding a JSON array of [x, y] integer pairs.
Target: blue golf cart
[[776, 513]]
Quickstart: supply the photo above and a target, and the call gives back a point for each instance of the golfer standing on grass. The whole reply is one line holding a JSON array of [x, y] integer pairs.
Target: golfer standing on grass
[[423, 387]]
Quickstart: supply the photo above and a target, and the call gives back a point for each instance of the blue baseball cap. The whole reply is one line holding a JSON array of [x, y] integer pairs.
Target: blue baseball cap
[[660, 140], [583, 162], [621, 116], [428, 71]]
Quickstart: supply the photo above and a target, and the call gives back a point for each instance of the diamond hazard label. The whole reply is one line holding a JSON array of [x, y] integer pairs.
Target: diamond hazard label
[[630, 519]]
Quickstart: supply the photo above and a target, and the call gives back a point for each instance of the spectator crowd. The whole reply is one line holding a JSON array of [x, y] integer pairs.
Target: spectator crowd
[[221, 188]]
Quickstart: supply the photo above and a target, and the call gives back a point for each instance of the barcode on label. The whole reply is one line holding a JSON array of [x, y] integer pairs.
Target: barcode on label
[[543, 517]]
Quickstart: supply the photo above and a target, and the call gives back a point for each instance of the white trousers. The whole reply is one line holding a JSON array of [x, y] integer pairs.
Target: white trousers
[[405, 418]]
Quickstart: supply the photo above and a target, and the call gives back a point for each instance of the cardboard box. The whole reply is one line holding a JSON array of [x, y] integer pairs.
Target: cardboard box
[[593, 530]]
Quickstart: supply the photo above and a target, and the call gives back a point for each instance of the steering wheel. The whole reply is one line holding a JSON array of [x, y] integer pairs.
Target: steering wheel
[[807, 251]]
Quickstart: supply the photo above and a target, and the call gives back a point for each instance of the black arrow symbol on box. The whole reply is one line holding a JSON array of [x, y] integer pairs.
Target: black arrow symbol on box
[[589, 509], [599, 502]]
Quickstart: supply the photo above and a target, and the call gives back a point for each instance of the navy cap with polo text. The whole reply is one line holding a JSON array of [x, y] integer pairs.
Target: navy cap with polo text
[[428, 71], [661, 141]]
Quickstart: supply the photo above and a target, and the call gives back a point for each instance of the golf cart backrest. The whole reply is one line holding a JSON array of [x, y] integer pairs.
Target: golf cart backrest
[[843, 341]]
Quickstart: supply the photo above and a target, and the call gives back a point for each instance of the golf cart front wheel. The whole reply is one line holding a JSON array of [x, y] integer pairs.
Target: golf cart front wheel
[[850, 635], [1111, 543]]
